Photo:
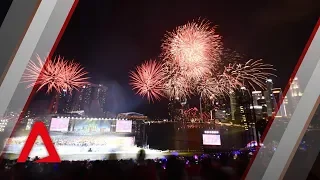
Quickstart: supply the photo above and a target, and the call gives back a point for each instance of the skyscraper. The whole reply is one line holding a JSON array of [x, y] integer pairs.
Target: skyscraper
[[234, 106], [256, 95], [294, 94], [174, 108], [277, 93], [240, 104], [65, 102], [91, 98], [286, 104], [269, 97]]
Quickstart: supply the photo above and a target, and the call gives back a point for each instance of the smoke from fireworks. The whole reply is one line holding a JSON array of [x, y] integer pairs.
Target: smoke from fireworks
[[55, 74], [148, 79], [194, 47]]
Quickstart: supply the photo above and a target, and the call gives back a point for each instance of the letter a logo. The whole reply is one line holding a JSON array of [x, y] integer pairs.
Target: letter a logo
[[39, 129]]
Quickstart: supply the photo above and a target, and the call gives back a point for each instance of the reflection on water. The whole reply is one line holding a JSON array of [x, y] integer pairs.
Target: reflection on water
[[176, 136]]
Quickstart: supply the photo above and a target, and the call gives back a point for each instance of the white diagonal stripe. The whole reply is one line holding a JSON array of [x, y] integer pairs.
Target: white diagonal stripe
[[39, 39], [295, 129], [278, 127], [24, 53]]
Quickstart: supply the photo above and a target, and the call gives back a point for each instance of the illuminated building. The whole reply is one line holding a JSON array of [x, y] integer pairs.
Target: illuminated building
[[286, 106], [65, 102], [37, 107], [248, 112], [29, 124], [269, 97], [277, 93], [240, 103], [91, 98], [235, 108], [138, 125], [257, 96], [245, 112], [3, 124], [174, 109], [294, 94], [259, 104], [221, 114], [266, 102], [221, 110]]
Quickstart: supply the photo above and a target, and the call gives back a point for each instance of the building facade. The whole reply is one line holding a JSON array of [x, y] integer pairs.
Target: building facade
[[269, 97], [294, 94], [91, 98]]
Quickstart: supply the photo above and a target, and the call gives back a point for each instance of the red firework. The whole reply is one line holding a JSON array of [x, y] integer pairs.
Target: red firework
[[177, 87], [194, 63], [194, 47], [56, 74], [73, 76], [148, 80], [191, 113]]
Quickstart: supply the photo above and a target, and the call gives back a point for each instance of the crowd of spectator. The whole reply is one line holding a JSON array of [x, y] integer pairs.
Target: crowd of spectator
[[203, 167]]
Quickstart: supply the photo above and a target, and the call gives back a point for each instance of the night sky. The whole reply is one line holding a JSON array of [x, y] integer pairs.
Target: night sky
[[110, 37]]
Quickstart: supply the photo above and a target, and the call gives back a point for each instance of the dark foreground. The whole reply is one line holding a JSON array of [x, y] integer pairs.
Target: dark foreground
[[205, 167]]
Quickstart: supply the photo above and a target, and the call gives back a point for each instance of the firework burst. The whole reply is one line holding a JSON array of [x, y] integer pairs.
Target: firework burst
[[213, 87], [148, 80], [73, 76], [234, 76], [254, 72], [177, 87], [194, 63], [55, 74], [194, 47]]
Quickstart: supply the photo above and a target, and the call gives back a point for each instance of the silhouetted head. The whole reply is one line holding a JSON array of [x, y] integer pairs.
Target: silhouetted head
[[173, 162], [113, 157], [141, 155], [174, 168], [206, 162]]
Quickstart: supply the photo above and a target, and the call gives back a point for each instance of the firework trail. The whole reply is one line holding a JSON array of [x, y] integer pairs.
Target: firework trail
[[176, 85], [255, 73], [235, 76], [73, 76], [194, 47], [230, 81], [191, 113], [148, 80], [56, 74], [213, 87], [207, 87]]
